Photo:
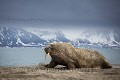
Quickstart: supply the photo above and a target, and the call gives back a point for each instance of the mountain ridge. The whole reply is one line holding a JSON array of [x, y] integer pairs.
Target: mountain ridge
[[18, 37]]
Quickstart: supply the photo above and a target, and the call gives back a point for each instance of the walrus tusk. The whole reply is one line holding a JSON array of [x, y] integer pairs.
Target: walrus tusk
[[45, 55]]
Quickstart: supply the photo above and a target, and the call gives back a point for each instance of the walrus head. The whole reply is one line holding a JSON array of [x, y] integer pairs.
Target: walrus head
[[48, 50], [54, 48]]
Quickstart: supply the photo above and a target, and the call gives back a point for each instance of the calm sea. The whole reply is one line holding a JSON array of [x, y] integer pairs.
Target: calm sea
[[34, 56]]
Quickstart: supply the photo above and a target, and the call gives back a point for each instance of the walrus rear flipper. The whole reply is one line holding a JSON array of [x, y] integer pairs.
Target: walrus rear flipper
[[106, 65]]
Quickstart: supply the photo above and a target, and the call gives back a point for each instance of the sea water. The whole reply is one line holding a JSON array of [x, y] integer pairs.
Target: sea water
[[26, 56]]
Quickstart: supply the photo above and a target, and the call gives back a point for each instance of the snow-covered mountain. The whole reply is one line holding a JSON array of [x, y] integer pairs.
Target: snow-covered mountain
[[50, 36], [16, 37], [100, 38]]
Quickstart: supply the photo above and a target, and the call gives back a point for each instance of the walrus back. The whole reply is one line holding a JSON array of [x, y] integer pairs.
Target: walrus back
[[92, 58]]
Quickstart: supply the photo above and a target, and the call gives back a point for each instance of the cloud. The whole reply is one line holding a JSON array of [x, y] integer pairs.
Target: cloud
[[61, 12]]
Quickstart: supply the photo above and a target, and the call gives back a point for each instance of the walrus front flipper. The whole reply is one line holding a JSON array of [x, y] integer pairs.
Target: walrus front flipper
[[52, 64]]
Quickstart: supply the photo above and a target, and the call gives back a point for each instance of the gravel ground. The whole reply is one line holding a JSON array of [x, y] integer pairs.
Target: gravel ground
[[59, 73]]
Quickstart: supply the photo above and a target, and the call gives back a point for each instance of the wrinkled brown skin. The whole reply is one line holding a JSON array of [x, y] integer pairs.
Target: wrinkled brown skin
[[71, 57]]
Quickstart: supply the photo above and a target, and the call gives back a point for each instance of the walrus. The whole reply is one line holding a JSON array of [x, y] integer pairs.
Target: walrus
[[67, 55]]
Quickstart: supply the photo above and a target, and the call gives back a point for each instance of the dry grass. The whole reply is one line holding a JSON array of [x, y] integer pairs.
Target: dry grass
[[41, 73]]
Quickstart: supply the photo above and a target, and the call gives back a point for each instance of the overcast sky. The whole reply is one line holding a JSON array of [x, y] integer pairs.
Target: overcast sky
[[60, 13]]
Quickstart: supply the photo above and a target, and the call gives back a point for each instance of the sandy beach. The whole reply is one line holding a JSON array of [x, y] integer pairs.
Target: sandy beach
[[58, 73]]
